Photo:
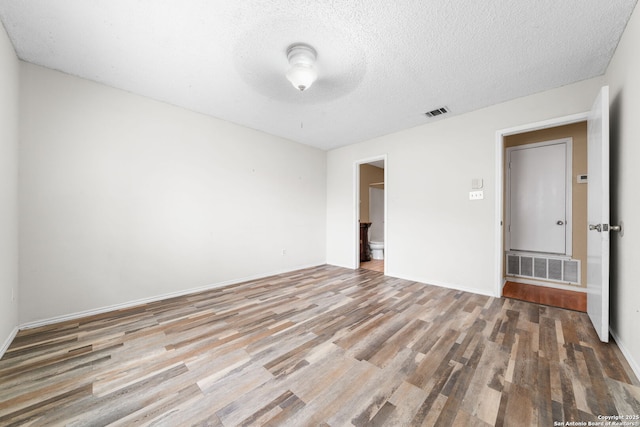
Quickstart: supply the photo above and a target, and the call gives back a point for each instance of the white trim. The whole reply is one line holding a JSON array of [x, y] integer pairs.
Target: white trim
[[356, 209], [451, 286], [8, 341], [130, 304], [545, 124], [635, 367], [386, 216], [499, 195], [500, 134]]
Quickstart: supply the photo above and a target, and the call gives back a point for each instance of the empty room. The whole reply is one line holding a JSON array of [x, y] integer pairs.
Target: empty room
[[305, 213]]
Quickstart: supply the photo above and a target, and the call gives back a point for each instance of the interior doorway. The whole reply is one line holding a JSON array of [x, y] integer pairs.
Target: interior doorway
[[532, 271], [597, 227], [371, 214]]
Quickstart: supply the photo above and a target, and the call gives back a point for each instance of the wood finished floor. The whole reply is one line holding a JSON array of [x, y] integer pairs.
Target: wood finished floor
[[373, 265], [571, 300], [321, 346]]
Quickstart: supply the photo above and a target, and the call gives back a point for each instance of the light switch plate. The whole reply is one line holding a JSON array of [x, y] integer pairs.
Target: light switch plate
[[476, 195]]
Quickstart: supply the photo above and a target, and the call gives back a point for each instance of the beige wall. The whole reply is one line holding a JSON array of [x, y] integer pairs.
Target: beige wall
[[9, 83], [431, 225], [125, 198], [369, 174], [577, 131]]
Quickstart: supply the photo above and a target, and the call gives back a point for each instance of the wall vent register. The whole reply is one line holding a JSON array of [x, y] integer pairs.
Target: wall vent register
[[544, 267]]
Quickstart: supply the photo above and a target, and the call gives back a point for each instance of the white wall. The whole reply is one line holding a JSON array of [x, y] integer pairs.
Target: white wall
[[124, 198], [434, 233], [9, 75], [623, 77]]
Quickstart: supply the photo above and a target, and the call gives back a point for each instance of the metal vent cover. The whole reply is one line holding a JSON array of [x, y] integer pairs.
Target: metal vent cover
[[543, 267], [437, 112]]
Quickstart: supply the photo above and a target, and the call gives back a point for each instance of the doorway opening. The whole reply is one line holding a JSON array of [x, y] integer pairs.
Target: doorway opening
[[597, 226], [371, 214], [543, 206]]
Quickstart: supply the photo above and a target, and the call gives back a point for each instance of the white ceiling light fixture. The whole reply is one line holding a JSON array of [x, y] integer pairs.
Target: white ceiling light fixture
[[302, 60]]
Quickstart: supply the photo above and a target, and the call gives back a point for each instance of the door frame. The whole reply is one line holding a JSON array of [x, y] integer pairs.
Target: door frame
[[356, 209], [500, 183]]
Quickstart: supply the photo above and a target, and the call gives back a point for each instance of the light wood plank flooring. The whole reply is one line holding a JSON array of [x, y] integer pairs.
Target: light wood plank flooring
[[373, 265], [317, 347]]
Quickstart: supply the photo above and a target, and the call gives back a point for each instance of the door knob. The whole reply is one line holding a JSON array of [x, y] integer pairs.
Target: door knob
[[618, 228], [560, 222], [606, 227]]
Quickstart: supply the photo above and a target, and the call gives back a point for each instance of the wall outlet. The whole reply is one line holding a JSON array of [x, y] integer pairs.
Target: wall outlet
[[284, 252], [476, 195], [13, 294]]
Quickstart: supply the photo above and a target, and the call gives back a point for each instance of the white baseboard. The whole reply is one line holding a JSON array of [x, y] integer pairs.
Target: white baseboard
[[156, 298], [8, 341], [443, 285], [635, 367]]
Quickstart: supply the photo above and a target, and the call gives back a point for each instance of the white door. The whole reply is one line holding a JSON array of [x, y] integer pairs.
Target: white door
[[598, 215], [539, 197]]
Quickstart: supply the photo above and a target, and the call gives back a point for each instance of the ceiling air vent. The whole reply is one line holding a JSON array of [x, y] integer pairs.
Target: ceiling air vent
[[437, 112]]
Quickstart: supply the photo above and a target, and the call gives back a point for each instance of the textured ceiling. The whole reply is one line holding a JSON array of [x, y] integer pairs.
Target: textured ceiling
[[381, 64]]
